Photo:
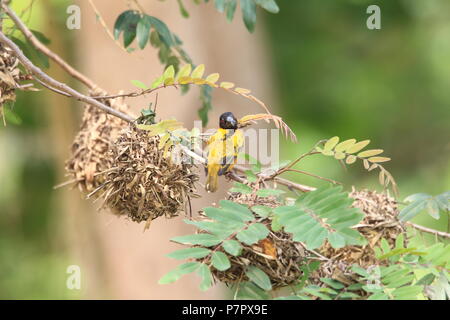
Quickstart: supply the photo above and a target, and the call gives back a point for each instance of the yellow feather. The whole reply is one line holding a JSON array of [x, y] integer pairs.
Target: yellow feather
[[223, 148]]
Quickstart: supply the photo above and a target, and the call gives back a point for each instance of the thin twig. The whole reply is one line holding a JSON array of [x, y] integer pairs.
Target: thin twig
[[38, 73], [139, 6], [52, 89], [105, 26], [429, 230], [287, 183], [314, 175], [135, 94]]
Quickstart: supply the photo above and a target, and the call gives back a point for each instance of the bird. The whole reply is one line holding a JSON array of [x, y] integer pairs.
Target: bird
[[222, 149]]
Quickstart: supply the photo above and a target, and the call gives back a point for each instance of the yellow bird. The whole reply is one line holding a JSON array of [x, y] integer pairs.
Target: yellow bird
[[223, 148]]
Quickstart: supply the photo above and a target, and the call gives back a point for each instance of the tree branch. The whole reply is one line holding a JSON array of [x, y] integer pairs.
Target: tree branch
[[42, 48], [59, 86], [429, 230]]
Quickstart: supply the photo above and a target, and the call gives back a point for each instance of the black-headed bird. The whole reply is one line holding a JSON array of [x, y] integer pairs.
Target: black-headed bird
[[223, 148]]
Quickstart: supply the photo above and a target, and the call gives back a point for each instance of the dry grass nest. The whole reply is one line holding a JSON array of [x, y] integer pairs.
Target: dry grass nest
[[89, 152], [380, 222], [277, 255], [9, 75], [143, 184]]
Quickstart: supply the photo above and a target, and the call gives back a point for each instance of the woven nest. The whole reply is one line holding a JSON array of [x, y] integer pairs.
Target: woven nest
[[277, 255], [380, 222], [141, 183], [9, 75], [89, 159]]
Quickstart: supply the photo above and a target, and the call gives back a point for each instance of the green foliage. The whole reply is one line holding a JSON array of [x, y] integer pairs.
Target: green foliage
[[259, 277], [248, 8], [186, 76], [8, 115], [349, 151], [323, 214], [31, 52], [230, 226], [412, 273], [421, 201], [148, 29]]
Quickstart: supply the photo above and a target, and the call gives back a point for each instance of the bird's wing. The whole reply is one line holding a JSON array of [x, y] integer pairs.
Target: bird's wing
[[238, 140]]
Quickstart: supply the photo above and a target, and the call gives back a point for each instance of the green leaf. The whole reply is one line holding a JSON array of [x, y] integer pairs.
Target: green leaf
[[198, 72], [269, 192], [253, 234], [183, 10], [358, 146], [417, 197], [187, 253], [330, 144], [407, 293], [41, 37], [32, 53], [220, 215], [369, 153], [361, 271], [238, 210], [249, 291], [221, 230], [159, 81], [332, 283], [203, 239], [336, 240], [443, 200], [269, 5], [122, 21], [344, 145], [259, 277], [11, 116], [248, 8], [220, 261], [426, 280], [127, 23], [262, 211], [321, 214], [275, 225], [143, 31], [251, 176], [233, 247], [230, 8], [163, 31], [206, 275], [411, 210], [241, 188], [139, 84], [433, 209], [181, 270]]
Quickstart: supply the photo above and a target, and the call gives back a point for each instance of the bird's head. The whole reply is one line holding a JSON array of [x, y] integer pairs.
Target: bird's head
[[228, 121]]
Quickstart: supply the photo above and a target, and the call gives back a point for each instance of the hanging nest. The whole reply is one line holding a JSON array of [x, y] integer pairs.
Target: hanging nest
[[89, 159], [277, 255], [380, 222], [10, 76], [143, 184]]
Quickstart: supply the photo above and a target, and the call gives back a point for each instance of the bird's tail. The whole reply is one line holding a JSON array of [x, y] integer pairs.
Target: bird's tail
[[211, 182]]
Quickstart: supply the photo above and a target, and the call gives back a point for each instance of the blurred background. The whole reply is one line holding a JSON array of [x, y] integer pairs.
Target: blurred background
[[315, 63]]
